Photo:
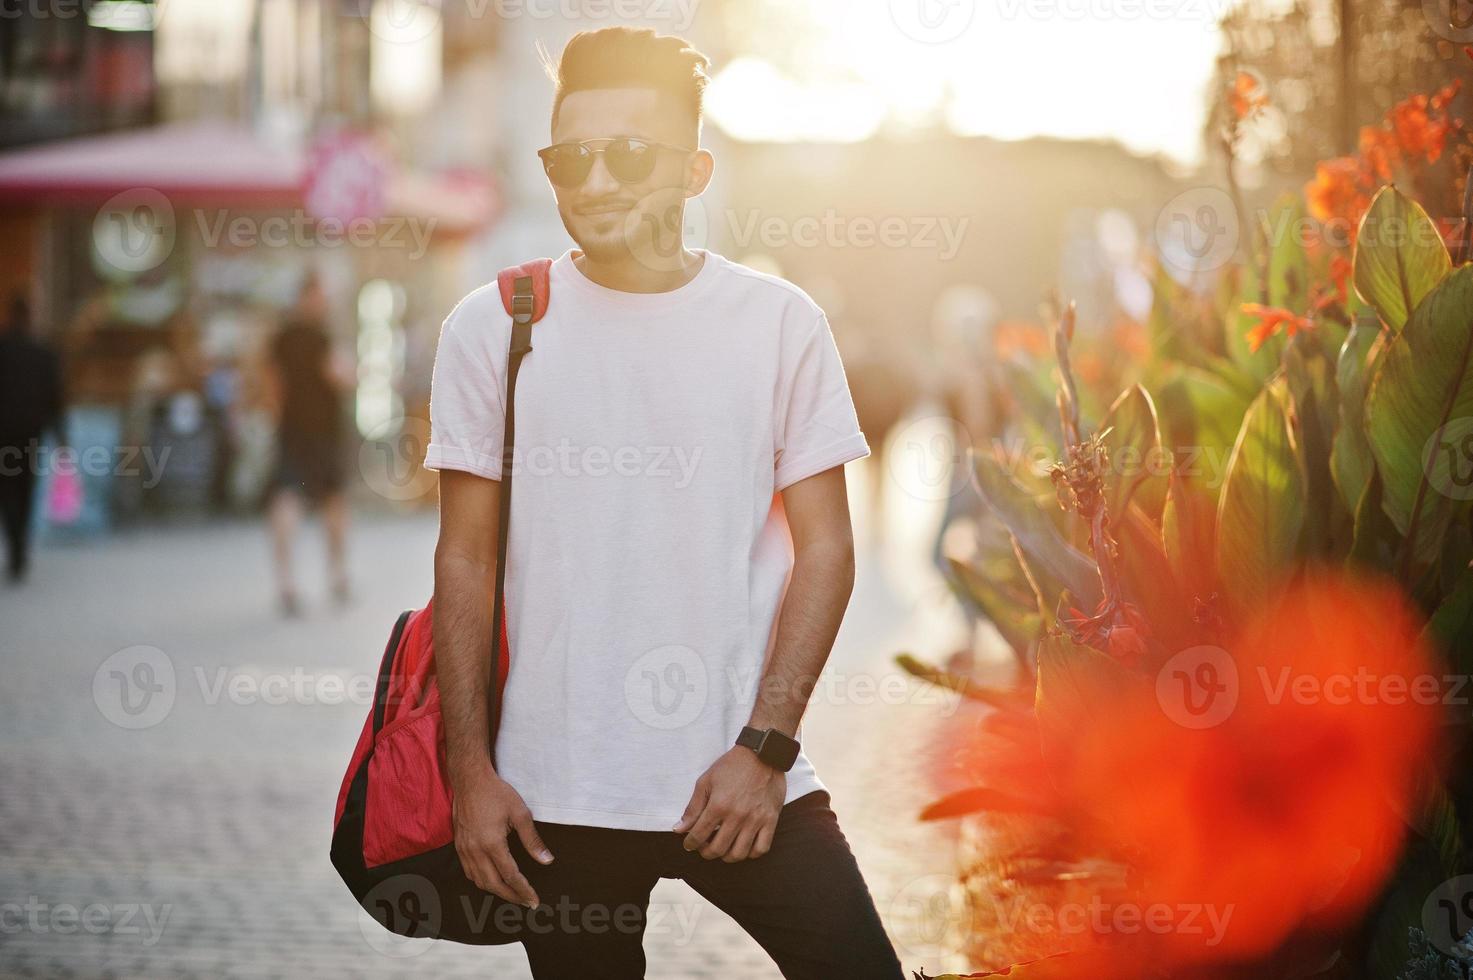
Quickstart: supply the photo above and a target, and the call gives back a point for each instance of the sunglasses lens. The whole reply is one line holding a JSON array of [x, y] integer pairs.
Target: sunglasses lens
[[630, 161], [567, 165]]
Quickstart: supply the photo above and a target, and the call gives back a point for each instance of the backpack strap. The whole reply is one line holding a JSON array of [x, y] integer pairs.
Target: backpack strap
[[524, 294]]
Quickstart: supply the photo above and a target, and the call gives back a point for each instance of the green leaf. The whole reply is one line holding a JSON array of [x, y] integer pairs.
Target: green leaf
[[1036, 534], [1350, 457], [1189, 528], [1419, 415], [1451, 627], [1311, 381], [1020, 624], [1138, 467], [1376, 539], [1399, 256], [1261, 512], [1288, 263], [1079, 690]]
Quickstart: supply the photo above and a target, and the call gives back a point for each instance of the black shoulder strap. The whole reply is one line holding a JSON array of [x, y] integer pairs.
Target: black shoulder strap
[[521, 344]]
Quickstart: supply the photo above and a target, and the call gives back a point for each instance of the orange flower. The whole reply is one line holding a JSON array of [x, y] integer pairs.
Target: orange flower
[[1335, 194], [1270, 320], [1247, 97], [1284, 815], [1378, 148], [1421, 124]]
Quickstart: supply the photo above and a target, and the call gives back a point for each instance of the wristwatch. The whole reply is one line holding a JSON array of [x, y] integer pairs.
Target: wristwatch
[[773, 747]]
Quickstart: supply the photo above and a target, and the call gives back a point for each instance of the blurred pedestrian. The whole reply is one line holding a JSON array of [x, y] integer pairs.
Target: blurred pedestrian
[[309, 471], [30, 404]]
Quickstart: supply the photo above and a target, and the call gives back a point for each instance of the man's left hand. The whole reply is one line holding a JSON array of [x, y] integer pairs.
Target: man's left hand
[[733, 812]]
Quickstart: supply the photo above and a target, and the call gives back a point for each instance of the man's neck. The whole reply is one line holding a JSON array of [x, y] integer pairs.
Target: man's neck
[[629, 275]]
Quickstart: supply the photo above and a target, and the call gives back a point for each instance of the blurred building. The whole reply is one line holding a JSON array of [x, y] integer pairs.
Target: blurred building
[[175, 172]]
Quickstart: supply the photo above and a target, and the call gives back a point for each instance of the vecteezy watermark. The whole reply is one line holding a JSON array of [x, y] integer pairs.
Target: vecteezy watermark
[[1197, 231], [1447, 914], [1204, 465], [933, 21], [1451, 20], [930, 917], [1100, 916], [666, 687], [403, 911], [390, 456], [1363, 687], [134, 230], [663, 223], [135, 687], [120, 461], [1198, 688], [942, 234], [669, 686], [43, 918], [1447, 459], [299, 229], [929, 458]]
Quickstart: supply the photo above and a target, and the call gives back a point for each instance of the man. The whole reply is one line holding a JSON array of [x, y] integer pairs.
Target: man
[[30, 403], [669, 396]]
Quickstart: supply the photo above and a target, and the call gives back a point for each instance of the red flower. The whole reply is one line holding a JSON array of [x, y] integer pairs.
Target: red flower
[[1336, 192], [1270, 320]]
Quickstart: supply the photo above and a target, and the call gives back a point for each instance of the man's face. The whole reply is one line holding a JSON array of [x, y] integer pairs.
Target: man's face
[[612, 221]]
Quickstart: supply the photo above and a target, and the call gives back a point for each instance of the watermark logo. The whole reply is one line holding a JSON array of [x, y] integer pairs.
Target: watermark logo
[[930, 917], [661, 224], [1447, 915], [1447, 459], [933, 21], [134, 231], [135, 687], [666, 687], [1451, 20], [402, 911], [929, 458], [389, 459], [1197, 231], [1198, 688]]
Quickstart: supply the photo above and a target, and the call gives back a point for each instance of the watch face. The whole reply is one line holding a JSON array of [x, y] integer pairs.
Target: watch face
[[779, 751]]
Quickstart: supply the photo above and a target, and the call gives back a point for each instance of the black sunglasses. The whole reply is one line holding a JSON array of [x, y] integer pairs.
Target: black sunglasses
[[629, 160]]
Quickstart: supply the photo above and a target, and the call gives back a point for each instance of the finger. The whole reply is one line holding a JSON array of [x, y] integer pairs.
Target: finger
[[741, 847], [704, 827], [484, 876], [521, 889], [531, 840], [721, 842], [693, 809], [763, 844]]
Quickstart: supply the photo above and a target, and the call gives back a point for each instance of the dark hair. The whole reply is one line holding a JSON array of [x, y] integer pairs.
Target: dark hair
[[616, 57]]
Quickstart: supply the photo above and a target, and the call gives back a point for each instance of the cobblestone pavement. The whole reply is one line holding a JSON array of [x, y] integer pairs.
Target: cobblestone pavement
[[191, 838]]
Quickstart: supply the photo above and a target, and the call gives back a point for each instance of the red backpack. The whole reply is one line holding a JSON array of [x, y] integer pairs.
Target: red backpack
[[393, 842]]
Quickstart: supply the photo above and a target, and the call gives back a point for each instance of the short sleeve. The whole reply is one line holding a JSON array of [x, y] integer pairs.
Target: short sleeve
[[467, 413], [817, 427]]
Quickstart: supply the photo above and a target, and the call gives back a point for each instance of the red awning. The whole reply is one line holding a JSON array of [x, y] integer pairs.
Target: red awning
[[217, 164]]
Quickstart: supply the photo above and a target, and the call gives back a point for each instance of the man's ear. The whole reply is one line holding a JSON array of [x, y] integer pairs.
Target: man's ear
[[699, 175]]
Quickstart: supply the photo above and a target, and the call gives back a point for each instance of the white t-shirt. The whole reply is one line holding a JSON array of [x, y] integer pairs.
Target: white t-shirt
[[648, 555]]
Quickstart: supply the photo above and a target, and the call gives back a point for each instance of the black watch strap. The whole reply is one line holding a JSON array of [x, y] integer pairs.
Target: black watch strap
[[773, 747]]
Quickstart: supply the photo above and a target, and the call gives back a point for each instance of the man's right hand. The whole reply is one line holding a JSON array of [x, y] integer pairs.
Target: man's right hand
[[486, 809]]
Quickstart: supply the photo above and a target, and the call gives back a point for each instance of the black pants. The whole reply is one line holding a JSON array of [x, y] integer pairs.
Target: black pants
[[17, 491], [804, 900]]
